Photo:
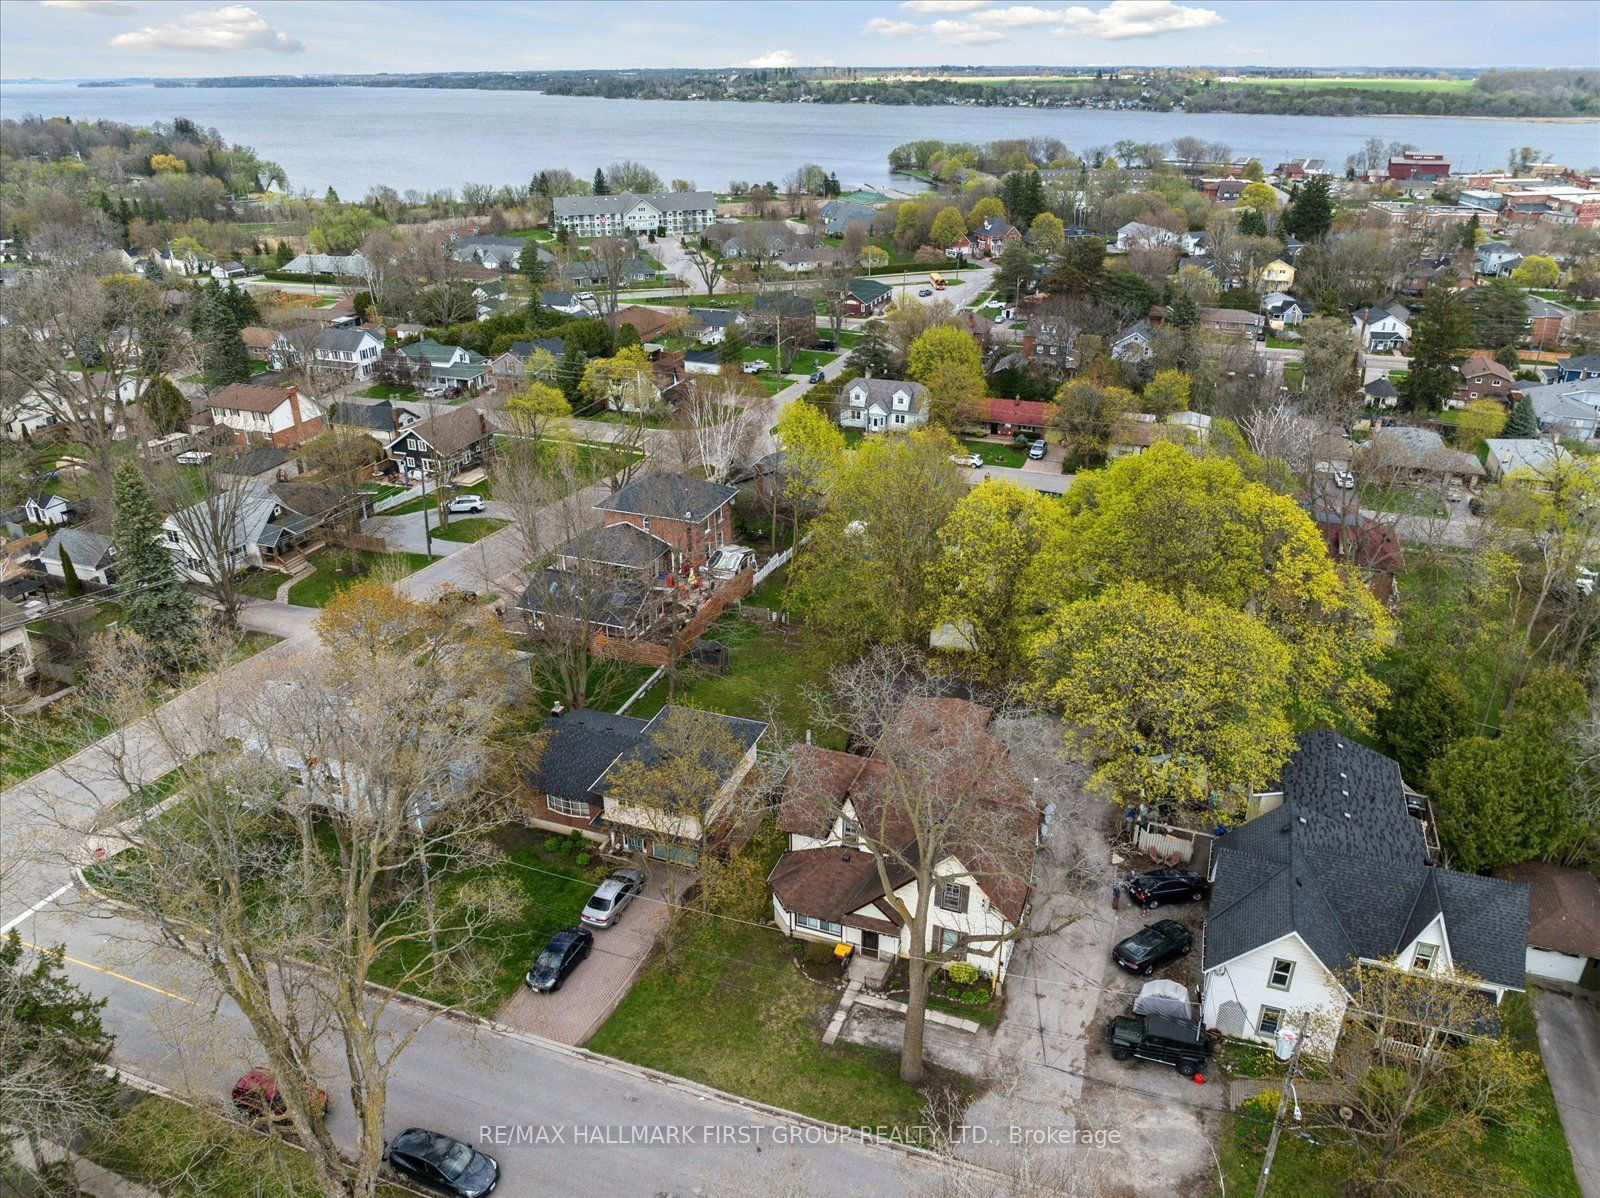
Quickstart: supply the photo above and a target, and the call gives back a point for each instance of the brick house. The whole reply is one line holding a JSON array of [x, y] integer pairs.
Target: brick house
[[690, 516], [1484, 378], [867, 297], [255, 415]]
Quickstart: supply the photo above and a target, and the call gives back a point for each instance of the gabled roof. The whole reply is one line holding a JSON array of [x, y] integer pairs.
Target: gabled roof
[[85, 548], [247, 397], [882, 391], [869, 291], [744, 734], [378, 417], [1342, 864], [255, 461], [449, 432], [576, 747], [1381, 388], [556, 347], [670, 497], [624, 545], [1563, 906], [346, 340], [258, 337]]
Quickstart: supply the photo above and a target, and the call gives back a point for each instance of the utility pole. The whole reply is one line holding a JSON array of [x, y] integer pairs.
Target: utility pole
[[1288, 1046], [427, 536]]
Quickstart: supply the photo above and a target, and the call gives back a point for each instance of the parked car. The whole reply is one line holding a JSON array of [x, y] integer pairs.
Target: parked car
[[256, 1096], [611, 898], [967, 459], [1179, 1042], [1145, 952], [559, 957], [193, 457], [730, 561], [465, 503], [1584, 582], [753, 367], [1036, 451], [814, 377], [443, 1163], [925, 292], [1345, 480], [1157, 886]]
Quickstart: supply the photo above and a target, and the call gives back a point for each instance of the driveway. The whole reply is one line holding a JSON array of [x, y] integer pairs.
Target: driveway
[[1569, 1041], [280, 619], [593, 990]]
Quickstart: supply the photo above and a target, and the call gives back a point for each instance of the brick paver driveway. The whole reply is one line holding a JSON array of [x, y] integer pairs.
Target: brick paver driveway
[[593, 990]]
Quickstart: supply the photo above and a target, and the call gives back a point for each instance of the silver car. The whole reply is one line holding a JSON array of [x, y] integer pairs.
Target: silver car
[[606, 904]]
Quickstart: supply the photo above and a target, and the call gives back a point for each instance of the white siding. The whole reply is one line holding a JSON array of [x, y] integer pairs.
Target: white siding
[[980, 918], [1560, 967], [1244, 980]]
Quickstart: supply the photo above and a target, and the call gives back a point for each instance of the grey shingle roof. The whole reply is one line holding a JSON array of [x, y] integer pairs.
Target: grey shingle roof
[[672, 201], [577, 747], [256, 461], [1343, 864], [744, 733], [616, 545], [671, 496], [85, 548], [376, 416]]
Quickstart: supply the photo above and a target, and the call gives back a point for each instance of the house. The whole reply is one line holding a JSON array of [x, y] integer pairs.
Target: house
[[263, 464], [1566, 409], [49, 509], [827, 886], [1495, 258], [868, 297], [271, 415], [1300, 168], [258, 341], [1226, 191], [1584, 366], [1381, 393], [1380, 330], [1563, 921], [1484, 378], [1007, 417], [702, 361], [1049, 341], [1548, 323], [93, 556], [647, 322], [610, 215], [1276, 275], [993, 235], [1370, 546], [1334, 870], [442, 445], [1419, 456], [345, 266], [623, 550], [1527, 454], [691, 516], [351, 352], [489, 297], [450, 368], [1417, 166], [1136, 234], [1136, 343], [1135, 432], [839, 215], [497, 253], [876, 404], [513, 364], [261, 525], [576, 767], [566, 303], [787, 315], [19, 656], [1283, 310], [605, 601], [379, 420], [711, 325], [229, 270], [1233, 321]]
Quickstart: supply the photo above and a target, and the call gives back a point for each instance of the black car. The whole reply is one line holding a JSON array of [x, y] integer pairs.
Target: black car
[[558, 958], [1159, 886], [1179, 1042], [1144, 951], [442, 1163], [814, 377]]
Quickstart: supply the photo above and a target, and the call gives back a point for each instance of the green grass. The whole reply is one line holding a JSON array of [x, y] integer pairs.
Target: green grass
[[430, 501], [323, 583], [852, 437], [1362, 83], [995, 454], [1404, 501], [262, 584], [389, 391], [30, 743], [1537, 1149], [259, 367], [848, 338], [734, 1012], [469, 530], [378, 492], [771, 593]]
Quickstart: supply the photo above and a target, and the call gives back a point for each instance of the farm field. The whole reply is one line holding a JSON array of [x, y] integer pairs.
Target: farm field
[[1364, 83]]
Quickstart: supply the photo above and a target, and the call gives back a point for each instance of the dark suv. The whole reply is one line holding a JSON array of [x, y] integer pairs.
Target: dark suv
[[1145, 951], [1159, 886], [1179, 1042]]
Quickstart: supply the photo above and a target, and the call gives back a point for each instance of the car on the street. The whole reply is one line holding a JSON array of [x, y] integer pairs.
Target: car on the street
[[967, 459], [611, 898], [460, 504], [1154, 887], [256, 1096], [753, 367], [1146, 951], [443, 1163], [814, 377], [925, 293], [1036, 451], [1179, 1042], [558, 958]]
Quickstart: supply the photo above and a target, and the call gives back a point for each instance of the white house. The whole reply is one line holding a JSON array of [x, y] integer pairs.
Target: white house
[[93, 556], [1336, 869], [50, 510], [1136, 343], [351, 351], [827, 886], [877, 404], [1136, 234], [711, 325], [1282, 309], [18, 655], [611, 215], [1380, 329]]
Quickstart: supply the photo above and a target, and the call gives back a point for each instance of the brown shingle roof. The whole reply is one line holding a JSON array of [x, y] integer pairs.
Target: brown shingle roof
[[1563, 907], [829, 883], [257, 337], [450, 432], [247, 397]]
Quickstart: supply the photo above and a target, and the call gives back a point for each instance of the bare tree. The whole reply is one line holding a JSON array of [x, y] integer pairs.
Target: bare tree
[[612, 258], [314, 377], [216, 518], [705, 265], [717, 426]]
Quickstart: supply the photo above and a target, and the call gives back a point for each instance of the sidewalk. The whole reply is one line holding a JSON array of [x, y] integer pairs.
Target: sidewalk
[[92, 1179]]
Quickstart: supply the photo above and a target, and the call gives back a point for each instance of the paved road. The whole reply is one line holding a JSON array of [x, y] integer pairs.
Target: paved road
[[1050, 480], [1569, 1041]]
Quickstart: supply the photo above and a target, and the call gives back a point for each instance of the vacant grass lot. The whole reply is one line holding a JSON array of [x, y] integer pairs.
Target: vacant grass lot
[[333, 574]]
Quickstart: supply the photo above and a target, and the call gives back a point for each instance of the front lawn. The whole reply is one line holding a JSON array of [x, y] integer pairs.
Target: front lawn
[[337, 569], [430, 501], [262, 584], [474, 528], [995, 453], [1405, 502], [389, 391]]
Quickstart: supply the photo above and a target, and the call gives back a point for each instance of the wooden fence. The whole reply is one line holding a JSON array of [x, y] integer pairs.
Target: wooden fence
[[661, 653]]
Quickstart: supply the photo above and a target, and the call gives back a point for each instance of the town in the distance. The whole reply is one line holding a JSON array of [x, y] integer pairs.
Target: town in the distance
[[1056, 669]]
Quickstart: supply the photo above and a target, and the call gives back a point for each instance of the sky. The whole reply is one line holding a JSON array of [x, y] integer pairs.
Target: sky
[[75, 39]]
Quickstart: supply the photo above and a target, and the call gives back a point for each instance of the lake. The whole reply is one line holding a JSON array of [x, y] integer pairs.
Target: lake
[[352, 137]]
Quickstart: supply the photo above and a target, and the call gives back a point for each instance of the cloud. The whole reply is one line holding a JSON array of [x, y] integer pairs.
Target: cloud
[[931, 6], [98, 8], [213, 31], [884, 27], [1117, 20], [964, 33], [772, 58]]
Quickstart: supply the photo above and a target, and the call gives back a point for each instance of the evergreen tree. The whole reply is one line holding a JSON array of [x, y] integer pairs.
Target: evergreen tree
[[164, 406], [284, 254], [243, 305], [1310, 214], [155, 603], [332, 197], [1252, 223], [153, 271], [1184, 313], [569, 375], [223, 355], [601, 187], [1080, 268], [873, 356], [1012, 271], [69, 574], [531, 266], [1440, 332], [1469, 234], [1522, 422]]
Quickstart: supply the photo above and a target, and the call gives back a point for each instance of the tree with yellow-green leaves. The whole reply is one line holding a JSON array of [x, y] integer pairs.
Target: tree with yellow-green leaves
[[622, 380], [939, 346], [536, 410], [1480, 420], [1537, 270], [1047, 234], [1259, 196], [984, 575], [984, 209], [1196, 527], [948, 228], [865, 573], [166, 162], [1168, 392], [956, 394], [1084, 412], [813, 450], [1168, 697]]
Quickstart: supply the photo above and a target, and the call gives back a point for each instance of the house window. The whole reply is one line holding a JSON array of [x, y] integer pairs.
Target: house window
[[849, 831], [952, 897], [814, 924], [562, 805], [899, 418], [634, 842], [1271, 1020], [1423, 958], [947, 939], [1282, 974]]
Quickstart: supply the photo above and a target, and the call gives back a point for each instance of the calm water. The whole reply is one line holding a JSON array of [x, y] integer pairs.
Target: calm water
[[351, 138]]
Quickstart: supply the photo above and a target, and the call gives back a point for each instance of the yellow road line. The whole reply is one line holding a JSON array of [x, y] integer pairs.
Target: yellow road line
[[111, 973]]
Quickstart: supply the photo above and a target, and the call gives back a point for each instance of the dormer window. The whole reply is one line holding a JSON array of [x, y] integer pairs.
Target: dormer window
[[901, 399], [1422, 960], [858, 398]]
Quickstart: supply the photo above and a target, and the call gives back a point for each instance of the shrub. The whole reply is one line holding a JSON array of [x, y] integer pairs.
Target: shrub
[[962, 973], [976, 996], [574, 842], [552, 844], [583, 859], [818, 953]]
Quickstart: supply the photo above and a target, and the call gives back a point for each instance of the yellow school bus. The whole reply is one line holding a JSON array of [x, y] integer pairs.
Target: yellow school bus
[[937, 280]]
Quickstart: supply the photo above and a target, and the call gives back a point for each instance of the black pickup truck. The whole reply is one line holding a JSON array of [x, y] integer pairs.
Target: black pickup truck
[[1179, 1042]]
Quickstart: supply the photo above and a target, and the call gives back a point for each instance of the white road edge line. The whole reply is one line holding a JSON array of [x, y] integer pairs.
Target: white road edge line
[[34, 910]]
